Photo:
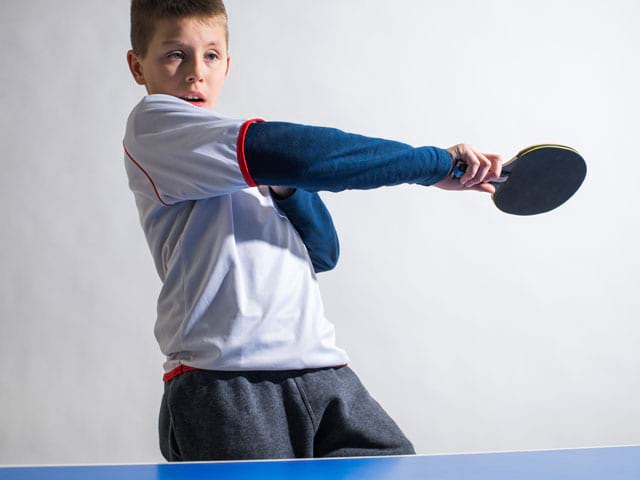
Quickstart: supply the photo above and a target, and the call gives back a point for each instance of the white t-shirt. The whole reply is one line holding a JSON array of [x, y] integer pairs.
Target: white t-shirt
[[239, 290]]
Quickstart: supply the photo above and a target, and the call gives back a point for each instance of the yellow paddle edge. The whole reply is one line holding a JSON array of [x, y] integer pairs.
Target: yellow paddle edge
[[540, 146]]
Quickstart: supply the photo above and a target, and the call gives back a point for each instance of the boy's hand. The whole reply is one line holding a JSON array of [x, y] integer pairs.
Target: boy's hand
[[281, 192], [482, 168]]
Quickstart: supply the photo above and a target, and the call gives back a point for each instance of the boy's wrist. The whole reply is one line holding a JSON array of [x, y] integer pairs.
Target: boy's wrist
[[452, 155]]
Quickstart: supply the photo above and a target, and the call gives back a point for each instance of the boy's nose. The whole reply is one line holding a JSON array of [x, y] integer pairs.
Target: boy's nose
[[195, 74]]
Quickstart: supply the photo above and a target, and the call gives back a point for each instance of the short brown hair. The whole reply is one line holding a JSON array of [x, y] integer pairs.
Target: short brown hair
[[145, 13]]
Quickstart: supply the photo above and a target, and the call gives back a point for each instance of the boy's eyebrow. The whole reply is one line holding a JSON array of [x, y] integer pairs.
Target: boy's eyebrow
[[178, 43]]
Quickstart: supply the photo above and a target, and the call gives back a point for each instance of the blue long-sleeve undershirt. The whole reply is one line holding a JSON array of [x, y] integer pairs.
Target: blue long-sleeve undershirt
[[320, 158]]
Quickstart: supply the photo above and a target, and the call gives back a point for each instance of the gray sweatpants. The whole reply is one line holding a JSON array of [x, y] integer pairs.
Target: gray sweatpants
[[207, 415]]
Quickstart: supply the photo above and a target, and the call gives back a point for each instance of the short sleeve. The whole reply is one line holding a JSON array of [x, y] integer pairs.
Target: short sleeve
[[175, 151]]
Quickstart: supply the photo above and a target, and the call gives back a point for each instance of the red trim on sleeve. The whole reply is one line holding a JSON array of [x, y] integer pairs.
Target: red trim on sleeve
[[179, 370], [155, 189], [242, 159]]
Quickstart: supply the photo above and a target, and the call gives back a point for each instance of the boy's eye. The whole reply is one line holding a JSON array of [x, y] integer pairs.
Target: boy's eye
[[212, 56], [179, 55]]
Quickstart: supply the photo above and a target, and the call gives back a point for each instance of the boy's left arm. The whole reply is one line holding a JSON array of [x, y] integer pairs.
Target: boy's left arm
[[311, 219]]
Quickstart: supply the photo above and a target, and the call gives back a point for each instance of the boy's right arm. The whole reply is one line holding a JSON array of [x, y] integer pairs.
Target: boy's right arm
[[188, 153], [319, 158]]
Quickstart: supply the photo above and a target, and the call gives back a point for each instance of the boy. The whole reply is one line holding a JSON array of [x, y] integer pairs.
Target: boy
[[237, 232]]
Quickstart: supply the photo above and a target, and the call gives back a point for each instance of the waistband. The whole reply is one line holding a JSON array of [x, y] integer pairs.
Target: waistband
[[180, 369]]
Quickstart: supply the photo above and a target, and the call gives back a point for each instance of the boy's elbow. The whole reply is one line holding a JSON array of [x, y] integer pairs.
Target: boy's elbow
[[324, 266], [328, 260]]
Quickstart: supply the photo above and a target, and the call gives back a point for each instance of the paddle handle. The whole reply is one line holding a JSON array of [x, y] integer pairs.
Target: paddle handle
[[460, 167]]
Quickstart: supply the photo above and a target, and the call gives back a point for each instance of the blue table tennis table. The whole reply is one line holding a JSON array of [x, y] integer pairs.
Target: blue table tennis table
[[606, 463]]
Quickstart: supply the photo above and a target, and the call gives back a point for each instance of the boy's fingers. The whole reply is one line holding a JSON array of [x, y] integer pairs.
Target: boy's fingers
[[496, 166], [473, 164], [484, 187], [483, 169]]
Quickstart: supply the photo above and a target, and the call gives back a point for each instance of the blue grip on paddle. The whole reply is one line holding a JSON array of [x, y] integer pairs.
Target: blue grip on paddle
[[458, 169]]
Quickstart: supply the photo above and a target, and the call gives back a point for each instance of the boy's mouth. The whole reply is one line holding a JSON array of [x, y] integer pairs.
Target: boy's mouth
[[194, 99]]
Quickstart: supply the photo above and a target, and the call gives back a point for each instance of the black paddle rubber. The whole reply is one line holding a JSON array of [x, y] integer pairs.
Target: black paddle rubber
[[539, 179]]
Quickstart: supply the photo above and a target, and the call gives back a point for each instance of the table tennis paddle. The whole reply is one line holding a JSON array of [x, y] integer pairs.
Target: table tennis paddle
[[537, 180]]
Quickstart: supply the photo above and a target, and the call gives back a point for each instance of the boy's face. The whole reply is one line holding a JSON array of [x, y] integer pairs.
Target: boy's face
[[187, 58]]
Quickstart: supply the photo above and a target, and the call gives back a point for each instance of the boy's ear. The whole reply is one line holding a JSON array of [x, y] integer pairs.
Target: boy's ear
[[136, 67], [228, 65]]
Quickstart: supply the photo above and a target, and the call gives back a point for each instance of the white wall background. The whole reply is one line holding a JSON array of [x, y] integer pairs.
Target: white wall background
[[476, 330]]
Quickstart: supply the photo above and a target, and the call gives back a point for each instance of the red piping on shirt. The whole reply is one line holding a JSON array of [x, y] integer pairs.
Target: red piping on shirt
[[242, 159], [155, 189]]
